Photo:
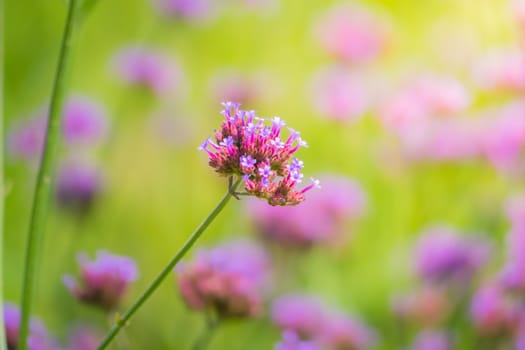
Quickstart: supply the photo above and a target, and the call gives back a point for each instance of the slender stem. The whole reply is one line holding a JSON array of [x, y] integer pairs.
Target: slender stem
[[3, 344], [122, 320], [207, 333], [43, 183]]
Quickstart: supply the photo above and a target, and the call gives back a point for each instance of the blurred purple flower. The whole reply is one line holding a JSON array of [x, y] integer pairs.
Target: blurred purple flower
[[84, 338], [148, 68], [229, 279], [432, 340], [301, 314], [84, 121], [426, 306], [513, 274], [103, 280], [38, 338], [343, 332], [189, 10], [78, 186], [502, 71], [26, 138], [320, 219], [246, 147], [291, 341], [339, 94], [442, 255], [491, 311], [352, 33]]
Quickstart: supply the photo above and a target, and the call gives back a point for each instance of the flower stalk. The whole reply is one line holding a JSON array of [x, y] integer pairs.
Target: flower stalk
[[121, 321], [3, 343], [41, 197]]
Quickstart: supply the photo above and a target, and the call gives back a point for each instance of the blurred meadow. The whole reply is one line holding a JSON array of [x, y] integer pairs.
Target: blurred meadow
[[424, 116]]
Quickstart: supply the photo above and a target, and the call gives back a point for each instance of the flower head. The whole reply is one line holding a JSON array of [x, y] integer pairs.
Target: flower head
[[84, 121], [342, 331], [228, 279], [432, 340], [321, 219], [301, 314], [189, 10], [38, 338], [291, 341], [78, 186], [244, 138], [26, 139], [103, 280], [83, 337], [444, 256], [491, 310], [427, 306]]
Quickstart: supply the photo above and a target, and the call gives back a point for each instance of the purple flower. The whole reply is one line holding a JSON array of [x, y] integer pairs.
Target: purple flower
[[243, 135], [426, 306], [78, 186], [84, 121], [352, 34], [321, 219], [145, 67], [502, 71], [491, 310], [26, 138], [442, 255], [341, 331], [513, 274], [228, 279], [84, 338], [301, 314], [339, 94], [103, 280], [432, 340], [291, 341], [38, 338], [190, 10]]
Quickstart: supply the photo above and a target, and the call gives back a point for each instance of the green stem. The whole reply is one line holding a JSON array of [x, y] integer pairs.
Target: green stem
[[3, 344], [207, 333], [123, 320], [43, 183]]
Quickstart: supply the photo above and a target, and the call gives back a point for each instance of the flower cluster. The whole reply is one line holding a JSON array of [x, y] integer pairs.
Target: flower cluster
[[246, 147], [104, 280], [227, 280], [309, 323], [38, 338]]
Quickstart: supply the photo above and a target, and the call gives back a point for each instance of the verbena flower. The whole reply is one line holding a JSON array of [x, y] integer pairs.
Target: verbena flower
[[302, 314], [189, 10], [228, 280], [83, 337], [84, 121], [255, 149], [78, 186], [38, 338], [103, 280], [432, 340], [321, 219], [26, 139], [342, 331], [291, 341], [492, 311], [442, 255], [139, 66]]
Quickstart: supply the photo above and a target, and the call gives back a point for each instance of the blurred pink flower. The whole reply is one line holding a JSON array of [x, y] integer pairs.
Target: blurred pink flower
[[291, 341], [38, 338], [339, 94], [189, 10], [146, 67], [229, 279], [515, 211], [84, 121], [491, 311], [246, 89], [443, 255], [432, 340], [352, 33], [501, 71], [320, 219], [104, 280], [426, 306], [304, 315], [26, 138], [341, 331], [84, 338]]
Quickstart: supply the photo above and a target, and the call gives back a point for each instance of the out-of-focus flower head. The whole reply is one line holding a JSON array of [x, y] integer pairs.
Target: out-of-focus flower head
[[246, 89], [26, 138], [501, 71], [38, 338], [432, 340], [247, 147], [84, 121], [78, 186], [304, 315], [229, 279], [442, 255], [339, 94], [321, 219], [513, 274], [352, 33], [189, 10], [291, 341], [84, 338], [492, 312], [427, 306], [341, 331], [515, 211], [104, 280], [504, 136], [145, 67]]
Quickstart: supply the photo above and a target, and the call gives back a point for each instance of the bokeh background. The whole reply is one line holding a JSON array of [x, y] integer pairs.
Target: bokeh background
[[432, 166]]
